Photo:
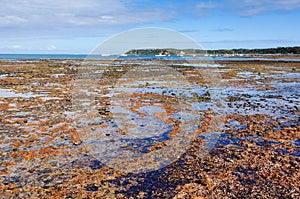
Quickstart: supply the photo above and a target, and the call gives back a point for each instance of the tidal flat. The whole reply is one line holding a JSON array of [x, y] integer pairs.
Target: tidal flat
[[149, 128]]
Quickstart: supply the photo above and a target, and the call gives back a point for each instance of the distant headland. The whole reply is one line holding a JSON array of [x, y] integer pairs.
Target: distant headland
[[279, 51]]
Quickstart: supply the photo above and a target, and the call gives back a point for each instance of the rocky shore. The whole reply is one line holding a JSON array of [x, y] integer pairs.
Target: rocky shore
[[254, 154]]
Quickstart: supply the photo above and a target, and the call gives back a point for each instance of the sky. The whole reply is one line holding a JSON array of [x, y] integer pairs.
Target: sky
[[68, 26]]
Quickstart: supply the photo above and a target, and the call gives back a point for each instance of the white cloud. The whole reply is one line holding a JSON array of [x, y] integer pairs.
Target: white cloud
[[288, 5], [253, 7], [58, 18], [28, 48], [207, 5], [14, 47], [11, 20], [199, 9], [54, 18], [222, 30], [107, 17], [264, 41], [51, 47], [70, 12]]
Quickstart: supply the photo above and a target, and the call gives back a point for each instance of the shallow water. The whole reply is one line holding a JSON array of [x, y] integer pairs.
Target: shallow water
[[8, 93], [127, 115]]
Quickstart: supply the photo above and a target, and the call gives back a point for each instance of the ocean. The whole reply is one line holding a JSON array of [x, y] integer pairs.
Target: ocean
[[36, 57], [12, 57]]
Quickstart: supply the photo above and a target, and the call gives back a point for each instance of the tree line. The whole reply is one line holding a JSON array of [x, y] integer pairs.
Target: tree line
[[171, 51]]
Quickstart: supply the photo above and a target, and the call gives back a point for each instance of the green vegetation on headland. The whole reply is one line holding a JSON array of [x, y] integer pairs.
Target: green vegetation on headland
[[241, 51]]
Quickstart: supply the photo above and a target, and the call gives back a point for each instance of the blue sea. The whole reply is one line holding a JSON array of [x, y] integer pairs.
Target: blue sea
[[19, 57], [12, 57], [36, 57]]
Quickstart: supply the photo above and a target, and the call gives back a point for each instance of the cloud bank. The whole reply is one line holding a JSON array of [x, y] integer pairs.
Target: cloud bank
[[67, 16], [64, 14], [66, 19]]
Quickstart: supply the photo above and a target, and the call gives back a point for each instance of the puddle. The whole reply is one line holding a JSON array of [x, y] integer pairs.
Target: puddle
[[149, 110], [246, 74], [8, 93], [3, 76], [58, 75], [199, 65]]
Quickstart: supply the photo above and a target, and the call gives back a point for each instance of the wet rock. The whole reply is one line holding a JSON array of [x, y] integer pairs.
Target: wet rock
[[92, 187]]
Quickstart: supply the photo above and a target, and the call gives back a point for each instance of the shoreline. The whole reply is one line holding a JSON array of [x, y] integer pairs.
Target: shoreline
[[81, 57]]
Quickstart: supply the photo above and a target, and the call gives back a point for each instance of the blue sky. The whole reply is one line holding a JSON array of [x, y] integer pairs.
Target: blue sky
[[68, 26]]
